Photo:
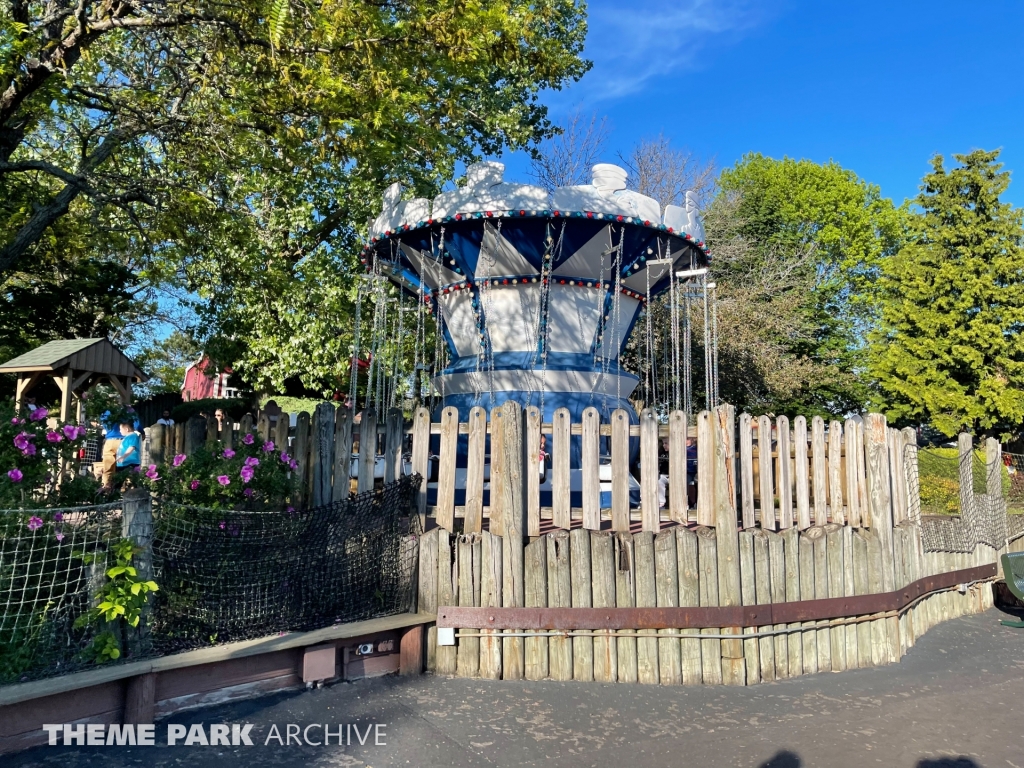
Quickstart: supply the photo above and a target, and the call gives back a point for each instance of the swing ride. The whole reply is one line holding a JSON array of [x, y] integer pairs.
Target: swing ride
[[532, 297]]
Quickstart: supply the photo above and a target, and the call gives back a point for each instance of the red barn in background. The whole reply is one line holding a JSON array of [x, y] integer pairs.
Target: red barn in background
[[200, 383]]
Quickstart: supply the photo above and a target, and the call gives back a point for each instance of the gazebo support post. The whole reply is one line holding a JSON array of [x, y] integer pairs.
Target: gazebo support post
[[64, 382]]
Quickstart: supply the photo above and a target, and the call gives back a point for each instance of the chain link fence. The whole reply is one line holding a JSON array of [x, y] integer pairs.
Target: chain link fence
[[223, 575]]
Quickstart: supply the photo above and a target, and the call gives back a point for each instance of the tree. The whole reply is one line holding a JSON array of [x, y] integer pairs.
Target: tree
[[166, 360], [834, 229], [951, 304], [566, 158]]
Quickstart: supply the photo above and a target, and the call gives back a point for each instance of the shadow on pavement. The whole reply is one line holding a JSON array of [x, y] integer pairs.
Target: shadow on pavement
[[948, 762], [784, 759]]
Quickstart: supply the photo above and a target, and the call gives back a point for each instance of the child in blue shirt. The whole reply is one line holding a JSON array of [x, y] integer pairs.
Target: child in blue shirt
[[129, 452]]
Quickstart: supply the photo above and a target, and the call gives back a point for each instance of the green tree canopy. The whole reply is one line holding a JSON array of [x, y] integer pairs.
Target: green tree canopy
[[948, 347], [822, 232]]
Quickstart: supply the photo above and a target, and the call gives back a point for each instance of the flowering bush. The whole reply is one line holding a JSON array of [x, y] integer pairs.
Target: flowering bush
[[32, 457], [252, 476]]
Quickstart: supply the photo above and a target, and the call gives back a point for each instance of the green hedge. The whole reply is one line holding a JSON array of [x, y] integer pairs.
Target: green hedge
[[235, 407]]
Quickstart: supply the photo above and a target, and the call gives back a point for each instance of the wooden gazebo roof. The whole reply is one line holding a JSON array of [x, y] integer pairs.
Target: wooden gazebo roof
[[75, 365], [97, 356]]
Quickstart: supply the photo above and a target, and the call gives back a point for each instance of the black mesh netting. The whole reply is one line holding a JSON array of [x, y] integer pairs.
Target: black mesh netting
[[223, 576], [227, 575]]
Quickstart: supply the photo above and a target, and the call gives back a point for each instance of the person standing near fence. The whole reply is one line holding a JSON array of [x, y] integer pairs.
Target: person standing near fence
[[129, 452], [111, 443]]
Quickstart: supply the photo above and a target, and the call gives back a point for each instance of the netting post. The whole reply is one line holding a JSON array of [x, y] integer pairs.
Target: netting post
[[137, 525], [510, 474]]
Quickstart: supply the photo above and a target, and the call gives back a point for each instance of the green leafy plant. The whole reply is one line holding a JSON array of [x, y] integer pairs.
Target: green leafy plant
[[123, 598]]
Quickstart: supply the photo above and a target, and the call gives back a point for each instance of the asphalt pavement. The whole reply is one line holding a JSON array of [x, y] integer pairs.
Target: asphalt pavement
[[955, 701]]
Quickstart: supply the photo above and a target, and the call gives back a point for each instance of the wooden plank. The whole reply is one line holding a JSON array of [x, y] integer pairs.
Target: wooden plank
[[625, 597], [677, 499], [281, 432], [591, 467], [688, 568], [394, 433], [511, 464], [821, 588], [747, 471], [835, 472], [368, 450], [862, 583], [468, 649], [913, 482], [559, 596], [475, 457], [819, 471], [850, 589], [711, 648], [490, 597], [444, 513], [803, 506], [892, 439], [536, 565], [245, 427], [420, 458], [426, 596], [666, 574], [727, 543], [770, 583], [879, 639], [809, 638], [794, 650], [748, 593], [581, 574], [764, 461], [852, 501], [447, 594], [602, 560], [300, 453], [880, 499], [650, 512], [322, 453], [560, 450], [862, 482], [533, 476], [705, 469], [646, 597], [620, 470], [836, 575], [342, 476], [262, 428], [496, 522], [783, 474]]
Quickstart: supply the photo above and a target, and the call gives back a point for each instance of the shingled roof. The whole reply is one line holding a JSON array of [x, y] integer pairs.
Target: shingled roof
[[93, 355]]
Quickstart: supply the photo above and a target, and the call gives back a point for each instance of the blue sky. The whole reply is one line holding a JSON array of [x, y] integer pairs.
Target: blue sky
[[879, 87]]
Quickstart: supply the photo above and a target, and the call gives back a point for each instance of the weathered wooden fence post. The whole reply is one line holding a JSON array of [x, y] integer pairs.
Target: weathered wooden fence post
[[137, 525], [322, 453], [511, 486], [729, 588], [300, 453], [157, 440]]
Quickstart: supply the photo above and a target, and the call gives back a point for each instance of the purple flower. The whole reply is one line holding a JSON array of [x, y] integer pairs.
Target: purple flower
[[294, 464], [268, 446], [21, 440], [60, 536], [35, 523], [57, 517], [137, 468], [71, 431], [178, 460], [285, 457], [247, 473], [30, 450], [151, 473], [228, 453], [252, 461], [290, 510], [247, 493], [193, 485], [38, 414], [248, 439], [53, 437], [15, 475], [224, 480], [223, 525], [16, 420]]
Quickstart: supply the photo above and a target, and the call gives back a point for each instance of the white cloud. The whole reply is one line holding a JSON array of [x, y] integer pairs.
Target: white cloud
[[633, 41]]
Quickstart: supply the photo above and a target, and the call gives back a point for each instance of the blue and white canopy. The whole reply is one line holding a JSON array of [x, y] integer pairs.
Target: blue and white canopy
[[536, 294]]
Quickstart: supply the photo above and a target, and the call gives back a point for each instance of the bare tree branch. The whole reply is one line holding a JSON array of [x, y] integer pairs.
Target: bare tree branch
[[565, 160]]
